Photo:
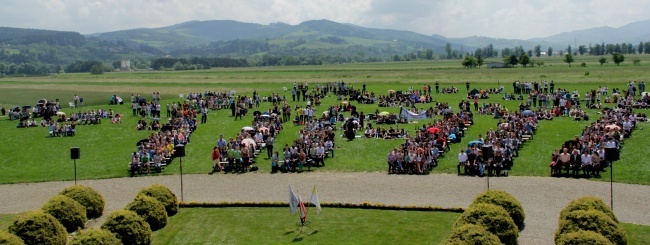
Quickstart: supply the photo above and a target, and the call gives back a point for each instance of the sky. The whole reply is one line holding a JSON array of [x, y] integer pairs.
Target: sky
[[517, 19]]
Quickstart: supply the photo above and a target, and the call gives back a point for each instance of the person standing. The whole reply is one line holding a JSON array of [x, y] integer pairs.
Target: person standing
[[467, 86], [216, 160], [204, 114], [293, 94], [437, 87], [269, 145]]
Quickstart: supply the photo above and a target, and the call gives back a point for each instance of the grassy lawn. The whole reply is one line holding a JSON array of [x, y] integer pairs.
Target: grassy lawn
[[29, 155], [277, 225], [637, 234], [6, 220]]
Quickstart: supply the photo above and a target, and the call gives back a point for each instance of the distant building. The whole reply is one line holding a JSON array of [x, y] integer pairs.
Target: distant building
[[125, 65], [496, 65]]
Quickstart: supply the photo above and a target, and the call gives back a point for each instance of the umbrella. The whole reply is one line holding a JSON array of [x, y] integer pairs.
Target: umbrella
[[433, 130], [391, 91], [27, 107], [528, 113], [60, 113], [247, 128], [644, 94], [505, 125], [423, 97], [384, 113], [474, 91], [345, 103], [263, 129], [475, 142], [266, 115], [255, 113], [249, 142], [447, 111], [613, 127]]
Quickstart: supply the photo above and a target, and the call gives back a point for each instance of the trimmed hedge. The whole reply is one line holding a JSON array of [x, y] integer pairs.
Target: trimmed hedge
[[471, 234], [583, 237], [95, 237], [128, 227], [506, 201], [494, 218], [10, 239], [68, 211], [164, 196], [588, 203], [88, 197], [592, 220], [150, 209], [39, 228]]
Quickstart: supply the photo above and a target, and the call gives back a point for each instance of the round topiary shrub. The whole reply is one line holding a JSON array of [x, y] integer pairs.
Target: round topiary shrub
[[592, 220], [10, 239], [506, 201], [95, 237], [471, 234], [164, 196], [494, 218], [68, 211], [128, 227], [588, 203], [38, 227], [583, 237], [87, 197], [150, 209]]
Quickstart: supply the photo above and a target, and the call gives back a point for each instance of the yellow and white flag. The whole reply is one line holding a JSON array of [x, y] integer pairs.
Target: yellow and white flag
[[314, 200]]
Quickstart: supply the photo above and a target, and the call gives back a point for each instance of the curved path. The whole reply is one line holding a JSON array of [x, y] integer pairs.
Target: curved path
[[542, 198]]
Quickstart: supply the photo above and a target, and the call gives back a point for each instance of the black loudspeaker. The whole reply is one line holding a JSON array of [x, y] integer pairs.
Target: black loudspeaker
[[611, 154], [179, 151], [74, 153], [487, 152]]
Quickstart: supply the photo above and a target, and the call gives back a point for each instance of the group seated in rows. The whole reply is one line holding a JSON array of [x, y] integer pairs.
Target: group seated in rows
[[407, 99], [315, 143], [603, 138], [419, 153], [175, 132], [61, 129], [143, 125], [451, 90], [240, 153], [383, 133], [475, 162]]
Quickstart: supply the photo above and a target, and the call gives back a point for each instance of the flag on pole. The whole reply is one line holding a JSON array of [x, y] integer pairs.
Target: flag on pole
[[294, 201], [314, 200], [303, 211]]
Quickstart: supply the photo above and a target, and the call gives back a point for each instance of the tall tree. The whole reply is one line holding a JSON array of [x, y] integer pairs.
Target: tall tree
[[568, 49], [469, 62], [511, 60], [550, 51], [448, 50], [618, 58], [524, 59], [640, 48], [538, 51], [479, 60], [582, 49], [568, 58]]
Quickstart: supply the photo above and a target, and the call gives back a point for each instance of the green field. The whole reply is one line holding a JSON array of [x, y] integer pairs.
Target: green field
[[277, 225], [30, 156]]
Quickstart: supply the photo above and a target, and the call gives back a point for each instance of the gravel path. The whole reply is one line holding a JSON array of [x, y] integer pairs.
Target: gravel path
[[542, 198]]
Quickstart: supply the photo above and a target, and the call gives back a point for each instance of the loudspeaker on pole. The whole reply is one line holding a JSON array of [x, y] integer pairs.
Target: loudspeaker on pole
[[74, 153]]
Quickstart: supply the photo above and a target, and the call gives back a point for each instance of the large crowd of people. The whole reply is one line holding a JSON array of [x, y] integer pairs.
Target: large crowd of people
[[597, 145]]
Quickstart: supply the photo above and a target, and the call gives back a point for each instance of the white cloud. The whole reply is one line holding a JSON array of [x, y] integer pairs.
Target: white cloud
[[504, 19]]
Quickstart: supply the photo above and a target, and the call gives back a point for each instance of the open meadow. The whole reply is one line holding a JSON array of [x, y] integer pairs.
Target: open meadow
[[29, 155]]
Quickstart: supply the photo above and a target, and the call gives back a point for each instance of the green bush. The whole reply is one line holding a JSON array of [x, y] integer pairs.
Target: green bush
[[95, 237], [164, 196], [88, 197], [582, 237], [588, 203], [9, 239], [592, 220], [506, 201], [38, 227], [68, 211], [471, 234], [494, 218], [150, 209], [128, 227]]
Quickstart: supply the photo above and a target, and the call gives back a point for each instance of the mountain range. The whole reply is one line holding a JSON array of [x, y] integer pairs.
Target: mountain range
[[194, 33], [338, 42]]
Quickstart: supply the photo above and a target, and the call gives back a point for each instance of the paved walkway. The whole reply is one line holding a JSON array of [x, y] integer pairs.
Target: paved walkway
[[542, 198]]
